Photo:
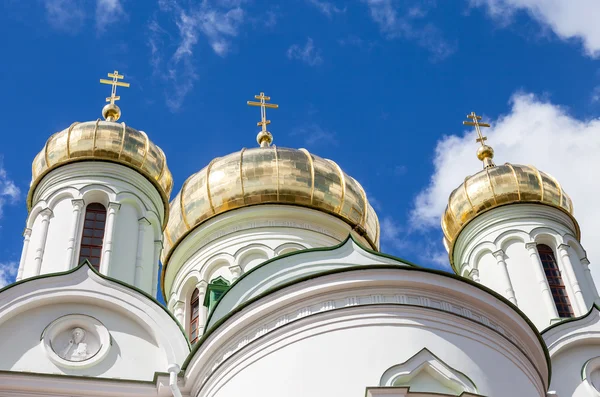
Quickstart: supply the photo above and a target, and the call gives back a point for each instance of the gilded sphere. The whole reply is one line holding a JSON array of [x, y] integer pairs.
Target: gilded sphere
[[497, 186], [268, 175], [111, 112], [485, 152], [105, 141]]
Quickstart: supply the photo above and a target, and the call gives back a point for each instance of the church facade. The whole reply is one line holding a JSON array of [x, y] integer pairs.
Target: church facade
[[274, 283]]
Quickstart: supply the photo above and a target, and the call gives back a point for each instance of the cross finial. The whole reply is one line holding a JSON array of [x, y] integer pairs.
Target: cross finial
[[111, 112], [485, 153], [264, 137]]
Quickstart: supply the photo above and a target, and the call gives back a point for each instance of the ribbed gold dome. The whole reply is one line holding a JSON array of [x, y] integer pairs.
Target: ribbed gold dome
[[104, 141], [269, 175], [496, 186]]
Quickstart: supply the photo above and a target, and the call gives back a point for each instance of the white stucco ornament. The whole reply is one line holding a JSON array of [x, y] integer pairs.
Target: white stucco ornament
[[76, 341]]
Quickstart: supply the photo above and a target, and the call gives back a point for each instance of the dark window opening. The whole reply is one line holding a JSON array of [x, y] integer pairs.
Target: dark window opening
[[195, 317], [555, 281], [92, 237]]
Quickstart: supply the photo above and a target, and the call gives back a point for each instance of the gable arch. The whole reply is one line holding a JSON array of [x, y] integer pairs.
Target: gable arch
[[217, 265], [478, 251], [288, 248], [252, 255], [546, 235], [425, 372], [97, 194], [37, 208], [507, 237], [56, 197]]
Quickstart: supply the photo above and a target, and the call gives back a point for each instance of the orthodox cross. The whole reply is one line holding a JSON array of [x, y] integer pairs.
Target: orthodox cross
[[114, 82], [475, 123], [263, 109]]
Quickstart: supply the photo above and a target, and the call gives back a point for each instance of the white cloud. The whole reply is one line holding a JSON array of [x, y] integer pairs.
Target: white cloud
[[9, 192], [326, 7], [218, 22], [396, 20], [8, 272], [314, 134], [307, 54], [65, 15], [569, 19], [534, 132], [108, 12]]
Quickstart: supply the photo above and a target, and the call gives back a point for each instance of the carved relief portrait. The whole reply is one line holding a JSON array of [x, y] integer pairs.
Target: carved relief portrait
[[76, 340]]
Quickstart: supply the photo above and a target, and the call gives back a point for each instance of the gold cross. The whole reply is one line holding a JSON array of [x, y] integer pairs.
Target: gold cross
[[475, 123], [114, 82], [263, 111]]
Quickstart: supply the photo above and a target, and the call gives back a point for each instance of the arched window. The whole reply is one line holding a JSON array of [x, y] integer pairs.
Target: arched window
[[555, 281], [195, 316], [93, 234]]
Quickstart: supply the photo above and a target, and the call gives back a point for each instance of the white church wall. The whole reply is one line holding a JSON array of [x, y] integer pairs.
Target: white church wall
[[55, 259], [266, 226], [359, 323], [512, 233], [354, 352], [128, 197], [127, 336], [29, 266], [523, 279], [489, 272], [133, 354], [122, 266], [567, 368]]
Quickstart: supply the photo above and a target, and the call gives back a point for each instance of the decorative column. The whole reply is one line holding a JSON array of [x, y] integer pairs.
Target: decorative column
[[541, 279], [202, 316], [585, 263], [109, 234], [158, 246], [26, 240], [178, 312], [236, 272], [563, 252], [46, 214], [474, 274], [78, 204], [139, 258], [500, 260]]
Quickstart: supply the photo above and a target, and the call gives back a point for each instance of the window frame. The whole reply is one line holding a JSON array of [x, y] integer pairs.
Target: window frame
[[93, 231], [553, 274], [194, 320]]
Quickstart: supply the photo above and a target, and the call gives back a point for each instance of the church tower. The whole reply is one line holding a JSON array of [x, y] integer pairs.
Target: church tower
[[251, 206], [100, 192], [511, 228]]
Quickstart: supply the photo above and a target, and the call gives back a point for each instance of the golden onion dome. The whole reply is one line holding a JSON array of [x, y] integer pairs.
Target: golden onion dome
[[495, 186], [269, 175], [104, 141]]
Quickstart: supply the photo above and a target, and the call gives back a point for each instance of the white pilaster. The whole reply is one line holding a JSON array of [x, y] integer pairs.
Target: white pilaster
[[109, 233], [541, 279], [158, 245], [139, 258], [510, 292], [563, 252], [474, 274], [46, 214], [179, 312], [585, 263], [26, 240], [236, 272], [78, 204], [203, 314]]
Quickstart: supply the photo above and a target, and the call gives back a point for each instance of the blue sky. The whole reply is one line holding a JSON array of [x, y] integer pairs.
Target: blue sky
[[379, 86]]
